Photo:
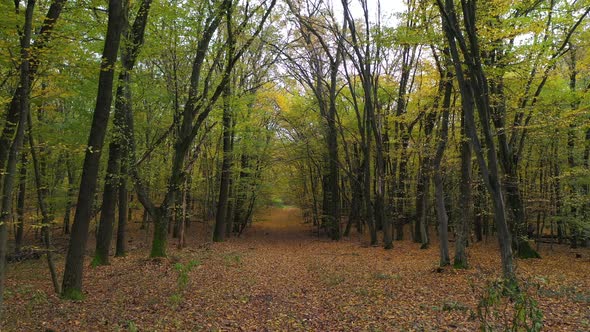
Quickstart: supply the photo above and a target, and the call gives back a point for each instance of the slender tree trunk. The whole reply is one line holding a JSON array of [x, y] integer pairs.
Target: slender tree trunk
[[466, 207], [222, 204], [446, 87], [443, 220], [231, 210], [20, 205], [10, 169], [369, 216], [72, 281], [586, 240], [70, 195], [333, 201], [120, 250], [422, 188], [181, 238], [240, 192], [474, 89], [46, 221], [423, 184]]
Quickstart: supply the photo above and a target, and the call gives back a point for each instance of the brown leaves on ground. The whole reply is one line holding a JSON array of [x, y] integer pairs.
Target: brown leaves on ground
[[279, 277]]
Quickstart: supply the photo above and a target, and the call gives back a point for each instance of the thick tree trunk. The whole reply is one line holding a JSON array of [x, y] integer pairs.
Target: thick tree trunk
[[109, 202], [72, 281], [160, 238]]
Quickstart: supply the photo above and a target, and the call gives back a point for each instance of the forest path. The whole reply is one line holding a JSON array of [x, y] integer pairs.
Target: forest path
[[279, 276]]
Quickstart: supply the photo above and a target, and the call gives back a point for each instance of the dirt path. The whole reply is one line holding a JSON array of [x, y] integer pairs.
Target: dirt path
[[279, 277]]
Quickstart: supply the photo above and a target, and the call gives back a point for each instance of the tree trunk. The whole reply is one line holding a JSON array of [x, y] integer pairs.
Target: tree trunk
[[120, 250], [72, 281], [466, 207], [474, 90], [446, 88], [70, 196], [46, 221], [443, 225], [369, 216], [160, 238], [109, 201], [222, 204], [10, 169], [231, 209], [420, 235], [20, 205], [181, 238]]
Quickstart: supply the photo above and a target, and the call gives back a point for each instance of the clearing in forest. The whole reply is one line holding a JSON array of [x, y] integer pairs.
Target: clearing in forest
[[279, 276]]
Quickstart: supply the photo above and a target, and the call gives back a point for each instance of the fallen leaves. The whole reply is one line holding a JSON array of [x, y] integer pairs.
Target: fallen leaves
[[278, 277]]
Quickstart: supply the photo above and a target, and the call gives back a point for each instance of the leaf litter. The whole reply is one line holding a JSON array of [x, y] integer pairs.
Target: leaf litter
[[278, 276]]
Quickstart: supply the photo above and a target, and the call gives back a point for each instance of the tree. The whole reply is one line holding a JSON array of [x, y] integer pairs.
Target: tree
[[462, 37], [202, 96], [320, 74], [72, 280], [12, 137], [114, 178], [221, 217]]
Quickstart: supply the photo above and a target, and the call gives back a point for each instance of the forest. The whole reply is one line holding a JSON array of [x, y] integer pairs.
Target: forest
[[295, 165]]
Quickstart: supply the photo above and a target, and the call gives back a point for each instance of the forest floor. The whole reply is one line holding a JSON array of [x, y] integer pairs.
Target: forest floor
[[279, 276]]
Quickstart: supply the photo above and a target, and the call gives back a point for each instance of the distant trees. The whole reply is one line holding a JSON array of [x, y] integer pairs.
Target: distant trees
[[478, 51]]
